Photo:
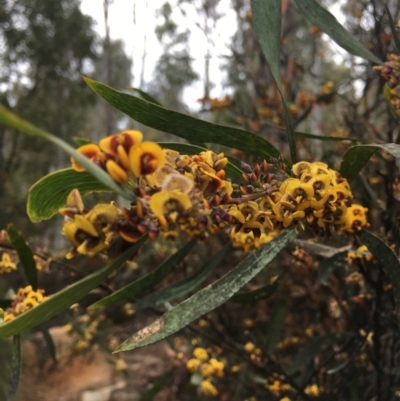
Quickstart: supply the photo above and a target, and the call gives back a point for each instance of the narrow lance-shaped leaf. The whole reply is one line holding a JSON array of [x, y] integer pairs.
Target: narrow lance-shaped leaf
[[48, 339], [325, 137], [342, 365], [387, 259], [275, 326], [260, 293], [314, 248], [50, 193], [357, 157], [182, 287], [15, 367], [313, 136], [8, 118], [210, 297], [267, 18], [325, 21], [144, 95], [6, 361], [25, 256], [64, 298], [183, 125], [328, 265], [147, 281], [307, 353]]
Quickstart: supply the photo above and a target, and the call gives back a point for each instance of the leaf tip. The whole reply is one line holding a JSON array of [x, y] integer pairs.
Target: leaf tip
[[87, 80], [125, 346]]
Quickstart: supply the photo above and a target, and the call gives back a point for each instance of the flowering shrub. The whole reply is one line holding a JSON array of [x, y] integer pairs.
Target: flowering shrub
[[24, 300], [190, 193], [343, 278]]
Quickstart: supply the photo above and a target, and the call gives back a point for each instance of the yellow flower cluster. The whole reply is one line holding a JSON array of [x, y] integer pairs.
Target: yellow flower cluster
[[362, 252], [24, 300], [89, 231], [327, 88], [278, 387], [318, 195], [208, 368], [6, 264], [191, 193], [174, 192], [288, 342], [304, 102], [123, 154], [249, 347], [85, 328], [215, 103], [313, 390], [390, 70]]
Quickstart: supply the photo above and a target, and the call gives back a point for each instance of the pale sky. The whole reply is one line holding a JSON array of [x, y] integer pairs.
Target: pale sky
[[122, 26]]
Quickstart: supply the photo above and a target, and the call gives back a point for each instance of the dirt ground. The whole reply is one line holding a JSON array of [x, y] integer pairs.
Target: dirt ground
[[92, 376]]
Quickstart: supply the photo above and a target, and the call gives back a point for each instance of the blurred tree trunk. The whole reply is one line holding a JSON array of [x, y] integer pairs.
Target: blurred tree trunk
[[109, 112]]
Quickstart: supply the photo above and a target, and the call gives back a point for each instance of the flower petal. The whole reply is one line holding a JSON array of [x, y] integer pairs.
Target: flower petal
[[146, 158], [165, 202], [117, 173], [127, 139], [89, 150]]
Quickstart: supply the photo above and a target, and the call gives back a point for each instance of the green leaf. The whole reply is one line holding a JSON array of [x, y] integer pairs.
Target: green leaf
[[317, 249], [325, 21], [5, 363], [63, 299], [253, 296], [357, 157], [307, 353], [387, 259], [341, 365], [15, 367], [313, 136], [325, 137], [48, 339], [328, 265], [182, 287], [50, 193], [232, 168], [149, 280], [267, 18], [157, 387], [183, 125], [144, 95], [14, 121], [275, 326], [209, 297], [25, 255]]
